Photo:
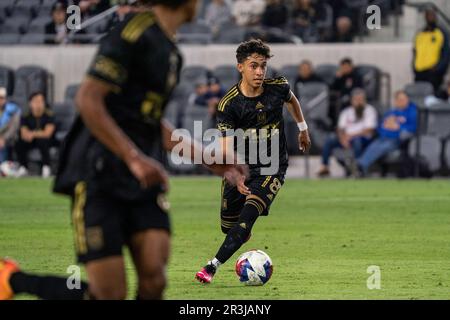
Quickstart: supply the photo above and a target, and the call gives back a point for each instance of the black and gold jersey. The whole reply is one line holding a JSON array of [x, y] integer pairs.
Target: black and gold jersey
[[141, 65], [251, 114]]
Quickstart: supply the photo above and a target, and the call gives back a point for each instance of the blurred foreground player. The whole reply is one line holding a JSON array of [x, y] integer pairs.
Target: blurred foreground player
[[110, 161], [253, 104]]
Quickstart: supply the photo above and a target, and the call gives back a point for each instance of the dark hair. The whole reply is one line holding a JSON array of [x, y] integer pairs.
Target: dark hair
[[34, 94], [347, 61], [59, 5], [247, 48]]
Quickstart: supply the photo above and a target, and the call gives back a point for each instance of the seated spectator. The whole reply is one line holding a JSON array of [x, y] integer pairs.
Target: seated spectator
[[208, 94], [36, 131], [199, 96], [58, 26], [431, 52], [343, 32], [345, 81], [9, 124], [275, 15], [90, 8], [218, 13], [356, 128], [215, 93], [306, 73], [119, 15], [247, 12], [304, 18], [398, 125]]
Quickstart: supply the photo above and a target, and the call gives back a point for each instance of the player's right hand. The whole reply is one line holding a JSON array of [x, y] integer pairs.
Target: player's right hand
[[148, 172]]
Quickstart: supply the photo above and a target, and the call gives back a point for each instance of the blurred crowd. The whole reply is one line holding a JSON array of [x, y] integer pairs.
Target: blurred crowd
[[289, 21]]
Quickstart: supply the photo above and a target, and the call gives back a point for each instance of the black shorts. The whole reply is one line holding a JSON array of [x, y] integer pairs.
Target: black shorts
[[263, 189], [104, 224]]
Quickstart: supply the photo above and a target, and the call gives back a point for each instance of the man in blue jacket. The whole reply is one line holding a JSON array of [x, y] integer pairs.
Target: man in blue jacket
[[9, 123], [397, 125]]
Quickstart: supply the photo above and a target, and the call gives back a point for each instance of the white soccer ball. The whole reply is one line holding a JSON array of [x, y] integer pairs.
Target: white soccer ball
[[254, 268]]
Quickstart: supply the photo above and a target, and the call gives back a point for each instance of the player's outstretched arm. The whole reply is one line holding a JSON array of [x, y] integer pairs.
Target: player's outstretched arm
[[90, 101], [294, 108], [233, 172]]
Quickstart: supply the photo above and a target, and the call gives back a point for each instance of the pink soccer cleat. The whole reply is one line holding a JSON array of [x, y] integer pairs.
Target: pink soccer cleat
[[206, 274]]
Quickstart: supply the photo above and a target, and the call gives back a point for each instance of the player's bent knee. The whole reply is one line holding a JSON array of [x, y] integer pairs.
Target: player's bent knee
[[152, 287]]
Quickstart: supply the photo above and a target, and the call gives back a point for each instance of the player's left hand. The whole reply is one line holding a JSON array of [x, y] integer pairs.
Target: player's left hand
[[242, 188], [304, 142], [232, 173]]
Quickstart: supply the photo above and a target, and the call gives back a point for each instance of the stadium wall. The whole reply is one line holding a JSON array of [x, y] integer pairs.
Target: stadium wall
[[69, 63]]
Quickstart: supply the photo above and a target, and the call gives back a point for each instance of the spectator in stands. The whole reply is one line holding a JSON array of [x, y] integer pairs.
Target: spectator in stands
[[91, 8], [208, 93], [343, 32], [36, 131], [356, 128], [9, 124], [217, 14], [58, 26], [119, 15], [345, 81], [431, 52], [398, 125], [340, 9], [215, 93], [275, 15], [304, 18], [306, 73], [248, 12]]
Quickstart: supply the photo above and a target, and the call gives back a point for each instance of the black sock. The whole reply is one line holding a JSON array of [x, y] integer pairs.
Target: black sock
[[47, 287], [238, 234]]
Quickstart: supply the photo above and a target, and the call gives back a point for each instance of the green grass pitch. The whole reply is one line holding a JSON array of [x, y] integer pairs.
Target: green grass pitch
[[321, 235]]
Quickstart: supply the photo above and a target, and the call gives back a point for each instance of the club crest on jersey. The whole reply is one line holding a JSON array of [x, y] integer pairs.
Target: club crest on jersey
[[261, 117], [259, 106]]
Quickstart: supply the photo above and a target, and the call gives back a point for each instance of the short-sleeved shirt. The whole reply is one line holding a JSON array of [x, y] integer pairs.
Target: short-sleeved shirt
[[352, 125], [236, 111], [141, 65], [37, 123]]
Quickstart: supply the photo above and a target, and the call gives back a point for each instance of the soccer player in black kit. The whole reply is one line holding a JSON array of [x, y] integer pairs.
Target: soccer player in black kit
[[110, 161], [254, 103]]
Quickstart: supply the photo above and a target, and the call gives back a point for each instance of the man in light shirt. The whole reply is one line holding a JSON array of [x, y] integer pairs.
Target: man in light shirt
[[356, 127], [248, 12]]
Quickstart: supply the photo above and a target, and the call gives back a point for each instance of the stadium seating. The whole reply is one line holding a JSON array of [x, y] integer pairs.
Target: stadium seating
[[64, 114], [227, 75], [438, 120], [71, 91], [32, 39], [194, 33], [192, 74], [289, 72], [447, 154], [29, 79], [38, 25], [327, 72], [7, 79], [418, 91], [9, 39], [430, 148], [371, 77]]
